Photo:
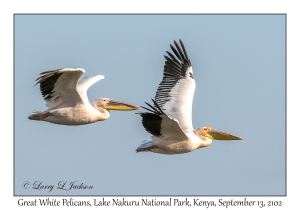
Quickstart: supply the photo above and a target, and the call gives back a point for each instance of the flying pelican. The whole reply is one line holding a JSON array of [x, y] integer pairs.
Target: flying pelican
[[66, 97], [169, 120]]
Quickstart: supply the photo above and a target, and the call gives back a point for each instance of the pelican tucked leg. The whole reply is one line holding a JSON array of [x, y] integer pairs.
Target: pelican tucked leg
[[146, 149], [39, 115]]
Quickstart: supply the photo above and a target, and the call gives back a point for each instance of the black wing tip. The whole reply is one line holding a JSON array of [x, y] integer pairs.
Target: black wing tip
[[47, 82], [180, 41], [175, 43], [152, 109], [46, 74], [152, 119], [157, 106], [180, 52]]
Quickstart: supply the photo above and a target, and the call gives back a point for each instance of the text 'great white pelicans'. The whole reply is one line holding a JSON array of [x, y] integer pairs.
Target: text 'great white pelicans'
[[169, 119], [66, 97]]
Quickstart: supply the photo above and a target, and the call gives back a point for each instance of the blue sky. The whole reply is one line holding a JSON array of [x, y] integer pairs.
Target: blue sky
[[239, 68]]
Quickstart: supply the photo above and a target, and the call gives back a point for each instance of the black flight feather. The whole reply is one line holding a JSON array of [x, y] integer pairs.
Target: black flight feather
[[152, 119], [175, 68]]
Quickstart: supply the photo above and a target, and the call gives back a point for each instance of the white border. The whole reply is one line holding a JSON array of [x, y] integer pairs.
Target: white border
[[8, 8]]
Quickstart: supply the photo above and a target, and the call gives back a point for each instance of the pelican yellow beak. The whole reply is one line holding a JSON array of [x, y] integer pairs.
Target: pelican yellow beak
[[122, 106], [219, 135]]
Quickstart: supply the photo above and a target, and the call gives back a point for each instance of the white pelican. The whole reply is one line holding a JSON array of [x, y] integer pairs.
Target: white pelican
[[169, 120], [66, 97]]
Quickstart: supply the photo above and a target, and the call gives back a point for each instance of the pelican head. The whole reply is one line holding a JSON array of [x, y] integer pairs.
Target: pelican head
[[207, 135], [106, 103], [204, 130], [214, 134], [201, 133]]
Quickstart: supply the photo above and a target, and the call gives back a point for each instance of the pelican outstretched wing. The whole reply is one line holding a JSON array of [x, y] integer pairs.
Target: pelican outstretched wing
[[59, 87], [176, 91], [84, 84], [160, 125]]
